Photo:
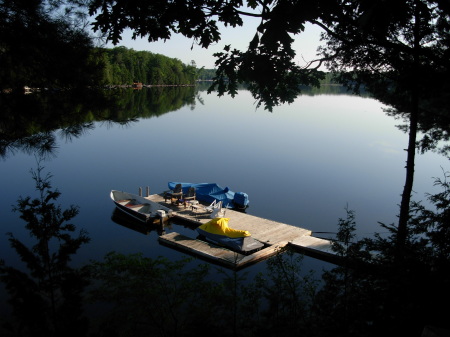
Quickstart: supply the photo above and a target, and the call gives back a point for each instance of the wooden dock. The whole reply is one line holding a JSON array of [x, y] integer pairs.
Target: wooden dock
[[274, 235]]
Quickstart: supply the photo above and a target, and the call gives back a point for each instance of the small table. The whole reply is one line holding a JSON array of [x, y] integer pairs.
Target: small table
[[195, 207]]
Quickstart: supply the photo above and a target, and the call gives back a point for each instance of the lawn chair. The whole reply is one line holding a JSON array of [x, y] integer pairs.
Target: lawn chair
[[176, 193], [216, 209], [190, 195]]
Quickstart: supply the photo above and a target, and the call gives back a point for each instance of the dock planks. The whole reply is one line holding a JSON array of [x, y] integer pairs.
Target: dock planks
[[275, 235]]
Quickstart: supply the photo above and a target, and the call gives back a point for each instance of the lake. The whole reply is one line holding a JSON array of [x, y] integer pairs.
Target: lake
[[301, 164]]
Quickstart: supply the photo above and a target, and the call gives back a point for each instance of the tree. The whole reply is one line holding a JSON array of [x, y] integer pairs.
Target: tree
[[48, 300], [400, 52], [43, 44], [287, 294], [376, 298], [157, 297]]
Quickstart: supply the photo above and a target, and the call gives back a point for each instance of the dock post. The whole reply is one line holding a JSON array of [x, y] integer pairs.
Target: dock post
[[148, 191], [140, 191], [160, 227]]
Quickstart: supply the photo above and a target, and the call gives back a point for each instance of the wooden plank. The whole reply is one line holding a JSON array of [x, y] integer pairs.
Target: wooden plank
[[272, 233], [218, 254], [261, 255], [316, 247], [313, 243], [207, 250]]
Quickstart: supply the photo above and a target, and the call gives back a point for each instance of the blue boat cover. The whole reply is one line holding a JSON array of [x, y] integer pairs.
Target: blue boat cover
[[208, 192]]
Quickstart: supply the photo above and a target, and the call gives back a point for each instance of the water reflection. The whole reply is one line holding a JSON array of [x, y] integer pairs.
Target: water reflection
[[301, 164], [32, 123], [330, 89], [126, 221]]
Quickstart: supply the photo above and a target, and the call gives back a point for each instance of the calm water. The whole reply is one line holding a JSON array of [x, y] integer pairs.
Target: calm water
[[302, 164]]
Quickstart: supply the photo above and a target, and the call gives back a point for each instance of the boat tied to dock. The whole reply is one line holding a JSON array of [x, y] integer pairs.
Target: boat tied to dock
[[140, 208]]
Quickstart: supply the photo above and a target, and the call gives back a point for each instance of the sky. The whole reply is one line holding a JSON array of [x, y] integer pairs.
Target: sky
[[183, 48]]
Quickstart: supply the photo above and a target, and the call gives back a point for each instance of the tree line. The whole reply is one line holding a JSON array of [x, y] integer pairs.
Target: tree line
[[46, 44], [329, 78], [126, 66]]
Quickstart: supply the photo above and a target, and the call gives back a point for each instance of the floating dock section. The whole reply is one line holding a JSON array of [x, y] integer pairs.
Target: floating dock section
[[274, 235]]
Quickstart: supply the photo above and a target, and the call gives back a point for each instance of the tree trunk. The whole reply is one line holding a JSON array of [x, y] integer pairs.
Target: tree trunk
[[402, 233], [407, 189]]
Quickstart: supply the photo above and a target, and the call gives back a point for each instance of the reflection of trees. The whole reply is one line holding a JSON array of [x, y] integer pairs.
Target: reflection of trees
[[325, 89], [150, 102], [32, 123], [433, 121], [330, 89]]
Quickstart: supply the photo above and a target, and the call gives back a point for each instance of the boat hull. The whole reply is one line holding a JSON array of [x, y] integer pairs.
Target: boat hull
[[139, 207], [136, 215], [244, 245]]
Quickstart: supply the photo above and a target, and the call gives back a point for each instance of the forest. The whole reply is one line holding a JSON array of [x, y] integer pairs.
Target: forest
[[126, 66]]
